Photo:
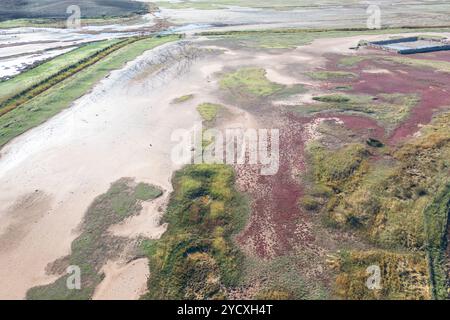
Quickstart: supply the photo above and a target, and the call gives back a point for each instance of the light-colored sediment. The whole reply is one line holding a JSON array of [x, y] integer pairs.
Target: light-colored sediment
[[123, 281], [147, 223]]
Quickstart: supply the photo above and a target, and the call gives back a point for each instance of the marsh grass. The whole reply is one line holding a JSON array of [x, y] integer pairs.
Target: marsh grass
[[64, 73], [436, 226], [249, 81], [45, 70], [332, 75], [401, 206], [196, 257], [64, 93], [389, 109], [404, 276], [183, 99], [283, 39]]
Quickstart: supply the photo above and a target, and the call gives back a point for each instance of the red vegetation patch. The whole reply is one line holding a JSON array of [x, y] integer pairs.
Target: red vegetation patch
[[430, 85], [277, 223], [276, 219]]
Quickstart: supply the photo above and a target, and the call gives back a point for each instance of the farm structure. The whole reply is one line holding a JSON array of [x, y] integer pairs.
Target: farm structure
[[411, 45]]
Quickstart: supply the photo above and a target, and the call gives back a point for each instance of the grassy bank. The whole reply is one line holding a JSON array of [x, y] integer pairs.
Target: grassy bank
[[64, 73], [291, 38], [196, 258], [46, 70], [64, 93], [95, 246], [62, 23]]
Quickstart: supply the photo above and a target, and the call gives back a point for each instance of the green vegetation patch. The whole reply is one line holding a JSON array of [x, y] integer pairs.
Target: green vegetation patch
[[292, 38], [441, 66], [284, 277], [389, 109], [209, 111], [333, 167], [61, 95], [24, 23], [249, 82], [402, 277], [95, 246], [146, 192], [196, 258], [183, 99], [64, 73], [351, 61], [62, 23], [436, 224], [34, 76], [386, 201], [399, 203], [332, 75]]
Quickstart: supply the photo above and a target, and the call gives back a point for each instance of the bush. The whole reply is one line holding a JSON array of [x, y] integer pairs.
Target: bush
[[309, 203]]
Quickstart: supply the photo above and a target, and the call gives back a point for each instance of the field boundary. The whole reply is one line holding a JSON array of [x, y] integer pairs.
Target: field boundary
[[42, 86]]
